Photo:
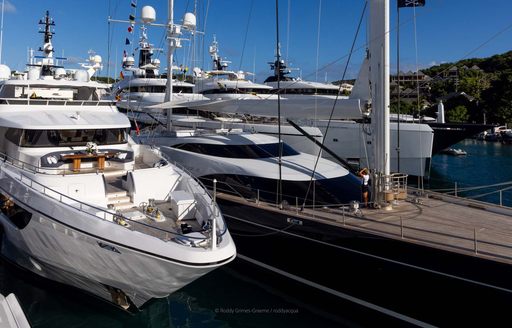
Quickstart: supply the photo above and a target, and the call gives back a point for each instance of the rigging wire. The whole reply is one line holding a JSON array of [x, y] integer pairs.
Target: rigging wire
[[245, 40], [420, 180], [318, 49], [336, 99]]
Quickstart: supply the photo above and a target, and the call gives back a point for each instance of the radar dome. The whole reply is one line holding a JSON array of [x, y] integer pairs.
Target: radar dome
[[148, 14], [97, 59], [189, 21], [156, 62], [34, 73], [5, 72], [60, 73], [81, 75], [129, 61]]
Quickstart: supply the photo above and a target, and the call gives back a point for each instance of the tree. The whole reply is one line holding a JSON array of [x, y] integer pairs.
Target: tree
[[458, 114], [405, 107], [498, 99]]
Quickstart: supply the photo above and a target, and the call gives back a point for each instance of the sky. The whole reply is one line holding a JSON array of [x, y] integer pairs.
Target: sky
[[315, 35]]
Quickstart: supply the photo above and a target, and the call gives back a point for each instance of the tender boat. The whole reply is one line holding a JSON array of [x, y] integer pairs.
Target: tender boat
[[454, 151]]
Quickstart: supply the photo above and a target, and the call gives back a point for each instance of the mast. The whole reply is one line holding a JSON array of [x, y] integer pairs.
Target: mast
[[278, 68], [2, 30], [379, 77], [171, 45]]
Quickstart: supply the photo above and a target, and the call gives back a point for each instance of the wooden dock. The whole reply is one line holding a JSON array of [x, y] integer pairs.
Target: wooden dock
[[431, 219]]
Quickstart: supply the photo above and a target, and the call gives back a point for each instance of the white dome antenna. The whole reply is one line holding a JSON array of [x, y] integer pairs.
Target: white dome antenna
[[148, 14], [5, 72], [189, 21]]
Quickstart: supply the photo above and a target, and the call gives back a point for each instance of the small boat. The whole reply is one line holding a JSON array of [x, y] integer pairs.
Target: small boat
[[454, 151]]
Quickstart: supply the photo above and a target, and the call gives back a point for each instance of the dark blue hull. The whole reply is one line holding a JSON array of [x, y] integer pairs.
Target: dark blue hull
[[403, 282]]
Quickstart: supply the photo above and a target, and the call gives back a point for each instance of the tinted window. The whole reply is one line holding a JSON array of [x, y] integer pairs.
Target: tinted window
[[64, 138], [238, 151]]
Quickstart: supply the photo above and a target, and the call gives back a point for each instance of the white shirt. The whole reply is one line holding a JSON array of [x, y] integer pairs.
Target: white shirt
[[366, 178]]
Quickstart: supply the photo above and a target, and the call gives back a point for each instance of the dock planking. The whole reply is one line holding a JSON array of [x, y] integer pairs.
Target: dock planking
[[435, 220]]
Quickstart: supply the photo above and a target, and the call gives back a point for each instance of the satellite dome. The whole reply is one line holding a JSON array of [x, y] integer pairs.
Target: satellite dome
[[34, 73], [189, 21], [5, 72], [81, 75], [97, 59], [129, 61], [148, 14], [60, 73]]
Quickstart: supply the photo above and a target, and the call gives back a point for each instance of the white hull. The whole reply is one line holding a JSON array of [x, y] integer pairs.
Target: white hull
[[69, 245]]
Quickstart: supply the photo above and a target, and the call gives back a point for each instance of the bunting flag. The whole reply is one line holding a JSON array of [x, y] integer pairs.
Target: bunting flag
[[133, 4], [127, 41], [131, 18], [124, 53], [410, 3], [130, 29]]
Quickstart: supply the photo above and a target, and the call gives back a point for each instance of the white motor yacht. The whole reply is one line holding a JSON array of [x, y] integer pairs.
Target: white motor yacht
[[84, 205], [143, 85], [248, 164], [223, 84]]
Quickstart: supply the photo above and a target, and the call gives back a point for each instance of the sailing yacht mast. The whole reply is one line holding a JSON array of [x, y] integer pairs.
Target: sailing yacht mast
[[379, 77]]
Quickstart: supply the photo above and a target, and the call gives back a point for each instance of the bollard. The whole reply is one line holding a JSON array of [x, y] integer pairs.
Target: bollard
[[401, 228]]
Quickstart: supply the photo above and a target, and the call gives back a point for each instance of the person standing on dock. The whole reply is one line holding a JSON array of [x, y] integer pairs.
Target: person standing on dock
[[365, 187]]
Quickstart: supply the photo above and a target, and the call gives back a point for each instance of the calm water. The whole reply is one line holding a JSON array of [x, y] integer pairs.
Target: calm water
[[229, 296], [486, 163]]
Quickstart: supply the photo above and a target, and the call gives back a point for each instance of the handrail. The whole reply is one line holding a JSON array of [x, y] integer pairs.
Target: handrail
[[82, 206], [55, 102]]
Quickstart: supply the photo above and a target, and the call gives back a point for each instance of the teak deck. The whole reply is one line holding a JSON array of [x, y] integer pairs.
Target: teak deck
[[456, 224]]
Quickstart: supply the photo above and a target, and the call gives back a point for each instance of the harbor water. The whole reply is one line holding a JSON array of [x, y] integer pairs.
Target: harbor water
[[483, 174], [236, 295]]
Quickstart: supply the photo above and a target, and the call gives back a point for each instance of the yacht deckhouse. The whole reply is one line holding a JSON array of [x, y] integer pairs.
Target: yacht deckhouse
[[221, 83], [82, 204], [143, 85], [289, 85]]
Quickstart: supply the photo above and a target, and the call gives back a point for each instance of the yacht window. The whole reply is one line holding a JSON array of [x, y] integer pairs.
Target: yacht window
[[19, 216], [238, 151], [13, 135], [66, 138]]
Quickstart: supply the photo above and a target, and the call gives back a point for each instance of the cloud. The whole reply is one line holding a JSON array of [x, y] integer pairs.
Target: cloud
[[9, 7]]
